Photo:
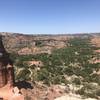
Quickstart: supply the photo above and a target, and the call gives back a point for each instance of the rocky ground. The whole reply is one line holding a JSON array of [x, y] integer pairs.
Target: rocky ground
[[10, 93], [27, 91]]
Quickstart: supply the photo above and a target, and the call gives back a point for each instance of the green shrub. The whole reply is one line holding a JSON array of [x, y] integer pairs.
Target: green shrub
[[72, 60]]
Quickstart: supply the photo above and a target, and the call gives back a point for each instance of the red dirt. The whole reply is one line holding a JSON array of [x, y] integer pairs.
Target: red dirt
[[7, 94]]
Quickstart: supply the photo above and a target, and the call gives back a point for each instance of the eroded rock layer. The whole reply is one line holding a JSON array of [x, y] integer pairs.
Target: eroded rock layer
[[6, 67]]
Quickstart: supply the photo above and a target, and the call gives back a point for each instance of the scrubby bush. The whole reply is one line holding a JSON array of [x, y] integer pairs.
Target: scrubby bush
[[72, 60], [90, 90]]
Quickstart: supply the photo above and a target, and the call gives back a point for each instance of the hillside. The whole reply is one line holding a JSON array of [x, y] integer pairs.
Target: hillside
[[51, 66], [35, 44], [73, 69]]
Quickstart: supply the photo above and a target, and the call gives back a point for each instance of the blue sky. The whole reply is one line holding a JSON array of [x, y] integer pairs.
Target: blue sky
[[49, 16]]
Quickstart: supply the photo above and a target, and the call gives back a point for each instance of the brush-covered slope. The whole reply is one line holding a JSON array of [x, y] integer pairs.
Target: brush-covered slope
[[33, 44]]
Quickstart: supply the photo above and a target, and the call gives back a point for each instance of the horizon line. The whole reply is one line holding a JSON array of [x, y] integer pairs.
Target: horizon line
[[64, 33]]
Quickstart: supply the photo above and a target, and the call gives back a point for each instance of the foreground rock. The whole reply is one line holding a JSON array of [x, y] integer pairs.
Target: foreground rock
[[39, 92], [10, 93], [54, 92], [6, 67]]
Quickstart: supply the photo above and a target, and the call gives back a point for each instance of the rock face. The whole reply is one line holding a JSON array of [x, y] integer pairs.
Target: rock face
[[6, 67]]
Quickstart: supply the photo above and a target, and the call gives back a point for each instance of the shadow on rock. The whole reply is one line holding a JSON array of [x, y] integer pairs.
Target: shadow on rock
[[24, 84]]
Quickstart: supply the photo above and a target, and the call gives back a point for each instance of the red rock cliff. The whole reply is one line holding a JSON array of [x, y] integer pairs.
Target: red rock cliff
[[6, 67]]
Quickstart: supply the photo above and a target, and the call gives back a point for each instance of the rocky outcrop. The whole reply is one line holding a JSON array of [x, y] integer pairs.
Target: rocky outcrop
[[6, 67], [10, 93]]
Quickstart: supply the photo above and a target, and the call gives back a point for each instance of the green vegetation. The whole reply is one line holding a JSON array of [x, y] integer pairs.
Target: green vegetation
[[75, 59]]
